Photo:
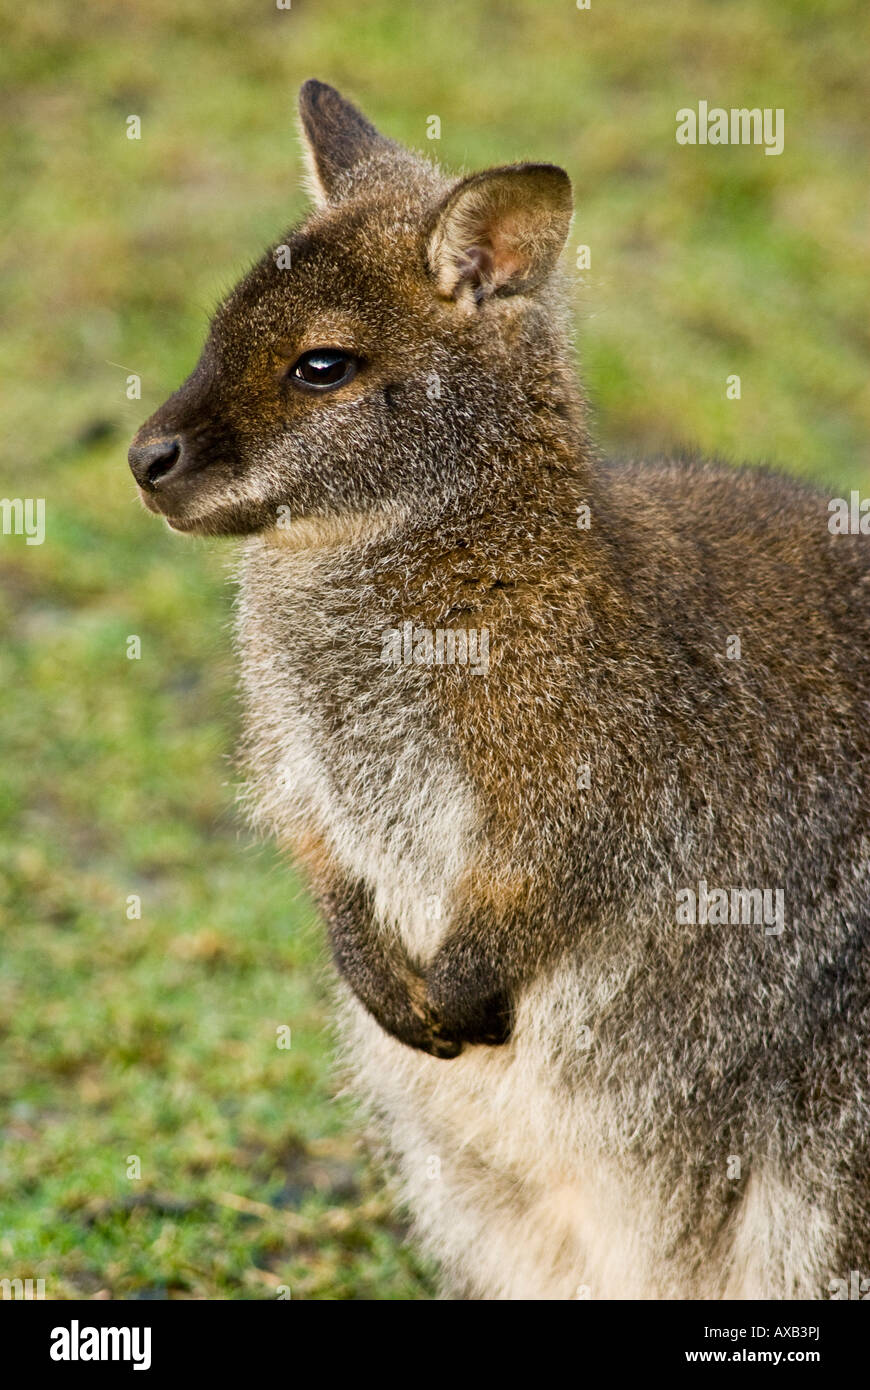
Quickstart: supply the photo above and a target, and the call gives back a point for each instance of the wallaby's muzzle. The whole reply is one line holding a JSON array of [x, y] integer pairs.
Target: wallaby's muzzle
[[156, 461], [177, 444], [164, 465]]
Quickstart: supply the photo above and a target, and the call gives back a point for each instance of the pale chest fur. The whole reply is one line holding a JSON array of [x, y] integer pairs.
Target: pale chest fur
[[343, 747], [519, 1188]]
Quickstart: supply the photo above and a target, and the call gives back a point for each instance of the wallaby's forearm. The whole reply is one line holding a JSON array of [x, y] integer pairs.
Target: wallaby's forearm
[[470, 982], [463, 996], [378, 971]]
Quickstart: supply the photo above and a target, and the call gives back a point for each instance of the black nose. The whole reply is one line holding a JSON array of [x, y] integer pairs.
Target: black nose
[[156, 461]]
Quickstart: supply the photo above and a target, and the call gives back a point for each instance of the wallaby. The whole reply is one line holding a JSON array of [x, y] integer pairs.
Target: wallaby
[[575, 755]]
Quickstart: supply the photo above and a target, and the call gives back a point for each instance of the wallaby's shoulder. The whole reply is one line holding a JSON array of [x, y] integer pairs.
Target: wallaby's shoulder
[[743, 523], [693, 490]]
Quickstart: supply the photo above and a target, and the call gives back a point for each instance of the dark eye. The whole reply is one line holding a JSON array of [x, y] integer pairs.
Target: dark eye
[[322, 369]]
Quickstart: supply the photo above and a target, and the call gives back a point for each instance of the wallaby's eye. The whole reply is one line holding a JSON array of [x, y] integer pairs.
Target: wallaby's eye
[[323, 369]]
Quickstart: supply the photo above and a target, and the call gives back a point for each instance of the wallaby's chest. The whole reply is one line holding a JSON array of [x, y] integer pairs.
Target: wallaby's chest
[[344, 746]]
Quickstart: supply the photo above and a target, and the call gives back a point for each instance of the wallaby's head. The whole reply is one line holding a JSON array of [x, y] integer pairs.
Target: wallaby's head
[[394, 346]]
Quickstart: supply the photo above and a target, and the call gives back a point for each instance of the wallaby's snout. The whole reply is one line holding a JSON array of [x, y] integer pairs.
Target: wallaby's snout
[[157, 462], [167, 463], [170, 457], [185, 457]]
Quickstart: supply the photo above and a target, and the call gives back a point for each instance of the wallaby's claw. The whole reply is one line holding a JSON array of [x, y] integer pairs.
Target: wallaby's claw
[[445, 1048], [432, 1038]]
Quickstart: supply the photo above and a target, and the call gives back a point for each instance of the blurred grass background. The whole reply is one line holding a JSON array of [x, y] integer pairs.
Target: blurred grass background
[[156, 1037]]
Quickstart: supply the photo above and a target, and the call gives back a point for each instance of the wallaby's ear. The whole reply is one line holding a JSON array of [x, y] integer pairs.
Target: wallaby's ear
[[500, 232], [337, 136]]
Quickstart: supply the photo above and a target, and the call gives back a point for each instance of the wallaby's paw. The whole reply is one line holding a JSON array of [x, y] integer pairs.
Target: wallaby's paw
[[445, 1048], [496, 1036], [429, 1038], [495, 1031], [420, 1033], [483, 1022], [428, 1035]]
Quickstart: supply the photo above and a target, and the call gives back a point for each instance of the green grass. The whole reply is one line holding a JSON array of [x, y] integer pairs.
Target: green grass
[[156, 1036]]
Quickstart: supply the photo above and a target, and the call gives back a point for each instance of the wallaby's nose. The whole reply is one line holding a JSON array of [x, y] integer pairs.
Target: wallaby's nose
[[156, 461]]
